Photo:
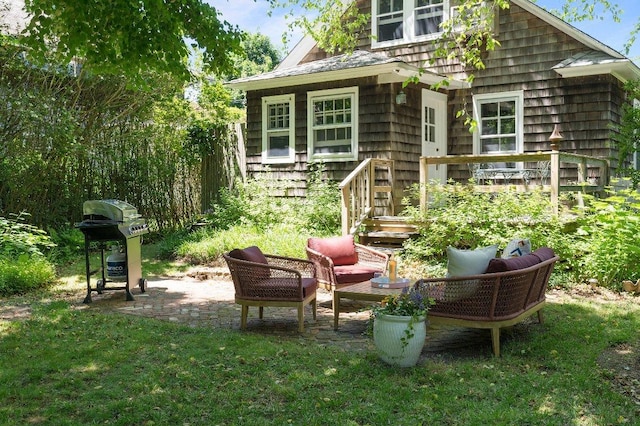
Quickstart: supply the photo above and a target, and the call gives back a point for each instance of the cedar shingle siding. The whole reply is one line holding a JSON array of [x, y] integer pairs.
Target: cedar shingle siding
[[586, 107]]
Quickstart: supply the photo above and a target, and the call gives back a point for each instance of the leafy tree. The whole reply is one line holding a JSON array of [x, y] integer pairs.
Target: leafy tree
[[260, 56], [627, 136], [131, 37]]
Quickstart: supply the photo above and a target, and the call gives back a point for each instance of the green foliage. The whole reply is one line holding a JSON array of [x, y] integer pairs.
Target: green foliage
[[18, 237], [261, 202], [459, 216], [23, 266], [68, 139], [122, 37], [69, 243], [206, 245], [627, 135], [608, 239], [24, 273]]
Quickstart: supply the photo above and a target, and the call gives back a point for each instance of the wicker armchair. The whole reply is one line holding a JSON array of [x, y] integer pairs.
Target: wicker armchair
[[340, 261], [266, 280]]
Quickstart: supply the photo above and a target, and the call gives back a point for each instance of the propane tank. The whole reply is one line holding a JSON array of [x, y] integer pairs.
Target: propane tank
[[117, 265]]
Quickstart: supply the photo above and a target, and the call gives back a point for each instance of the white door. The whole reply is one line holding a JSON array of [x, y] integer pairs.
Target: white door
[[434, 131]]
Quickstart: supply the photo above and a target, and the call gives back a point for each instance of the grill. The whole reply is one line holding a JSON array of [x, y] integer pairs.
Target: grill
[[117, 222]]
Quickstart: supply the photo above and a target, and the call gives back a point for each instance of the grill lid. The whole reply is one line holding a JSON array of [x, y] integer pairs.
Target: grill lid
[[109, 209]]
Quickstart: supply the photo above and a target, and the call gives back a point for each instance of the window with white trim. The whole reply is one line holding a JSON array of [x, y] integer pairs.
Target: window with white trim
[[499, 117], [333, 124], [406, 21], [278, 129]]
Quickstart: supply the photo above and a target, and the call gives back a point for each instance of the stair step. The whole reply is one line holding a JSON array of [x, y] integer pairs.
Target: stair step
[[389, 224]]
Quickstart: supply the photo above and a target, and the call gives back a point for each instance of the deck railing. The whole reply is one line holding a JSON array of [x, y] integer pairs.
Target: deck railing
[[582, 184], [361, 195]]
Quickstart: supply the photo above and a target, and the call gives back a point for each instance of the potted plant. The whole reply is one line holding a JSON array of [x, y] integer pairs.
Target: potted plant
[[399, 327]]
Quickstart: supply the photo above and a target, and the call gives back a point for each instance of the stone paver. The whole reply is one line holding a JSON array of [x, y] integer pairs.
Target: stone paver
[[206, 299]]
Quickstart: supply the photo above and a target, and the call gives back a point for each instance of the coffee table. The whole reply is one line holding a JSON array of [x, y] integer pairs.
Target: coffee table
[[359, 291]]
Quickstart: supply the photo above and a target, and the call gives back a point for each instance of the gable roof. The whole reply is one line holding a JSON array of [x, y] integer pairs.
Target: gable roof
[[604, 60], [359, 64]]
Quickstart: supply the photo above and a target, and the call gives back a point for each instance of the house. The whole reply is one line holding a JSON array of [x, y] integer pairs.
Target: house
[[343, 109]]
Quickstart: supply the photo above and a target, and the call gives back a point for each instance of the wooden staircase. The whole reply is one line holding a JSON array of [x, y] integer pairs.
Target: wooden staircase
[[388, 232]]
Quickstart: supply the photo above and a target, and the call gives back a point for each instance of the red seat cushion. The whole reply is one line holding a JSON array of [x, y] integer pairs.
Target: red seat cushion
[[353, 273], [341, 250], [309, 286]]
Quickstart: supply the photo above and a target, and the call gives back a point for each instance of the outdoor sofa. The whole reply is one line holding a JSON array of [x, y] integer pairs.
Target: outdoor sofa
[[511, 290]]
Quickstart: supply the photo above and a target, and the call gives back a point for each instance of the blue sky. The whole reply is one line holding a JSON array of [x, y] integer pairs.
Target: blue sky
[[252, 16]]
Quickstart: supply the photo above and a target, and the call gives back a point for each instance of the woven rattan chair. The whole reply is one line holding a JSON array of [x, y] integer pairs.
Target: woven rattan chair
[[266, 280], [493, 300], [340, 261]]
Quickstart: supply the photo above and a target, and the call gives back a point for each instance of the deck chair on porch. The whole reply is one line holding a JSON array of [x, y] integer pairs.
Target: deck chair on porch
[[267, 280]]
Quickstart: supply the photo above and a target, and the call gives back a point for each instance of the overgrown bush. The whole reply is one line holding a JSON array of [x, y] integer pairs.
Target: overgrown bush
[[24, 274], [461, 217], [262, 202], [607, 237], [18, 237], [23, 265], [251, 214]]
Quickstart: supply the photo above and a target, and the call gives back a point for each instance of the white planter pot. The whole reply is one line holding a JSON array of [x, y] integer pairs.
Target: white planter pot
[[388, 334]]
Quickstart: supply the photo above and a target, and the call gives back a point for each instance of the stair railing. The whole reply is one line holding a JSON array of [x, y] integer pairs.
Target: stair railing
[[360, 191]]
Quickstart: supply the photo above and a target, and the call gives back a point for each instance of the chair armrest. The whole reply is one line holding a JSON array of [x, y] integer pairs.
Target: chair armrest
[[324, 266], [372, 257]]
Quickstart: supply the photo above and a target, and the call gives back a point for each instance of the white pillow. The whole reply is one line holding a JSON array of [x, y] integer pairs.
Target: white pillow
[[469, 262], [516, 248]]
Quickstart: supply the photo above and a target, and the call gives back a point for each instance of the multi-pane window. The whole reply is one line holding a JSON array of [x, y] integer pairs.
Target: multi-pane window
[[499, 119], [278, 121], [498, 127], [390, 20], [429, 15], [429, 124], [333, 124], [404, 21]]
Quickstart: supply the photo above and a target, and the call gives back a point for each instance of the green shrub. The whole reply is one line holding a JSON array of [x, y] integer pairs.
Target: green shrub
[[263, 202], [461, 217], [18, 237], [607, 237], [69, 244], [24, 274]]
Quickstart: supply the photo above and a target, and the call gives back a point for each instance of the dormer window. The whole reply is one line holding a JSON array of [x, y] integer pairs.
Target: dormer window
[[406, 21]]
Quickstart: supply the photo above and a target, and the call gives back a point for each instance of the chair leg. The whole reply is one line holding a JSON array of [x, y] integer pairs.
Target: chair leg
[[243, 317], [314, 306], [540, 317], [301, 317], [261, 312], [495, 341]]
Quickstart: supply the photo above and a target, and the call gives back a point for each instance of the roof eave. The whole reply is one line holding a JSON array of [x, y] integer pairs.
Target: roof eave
[[386, 73], [623, 71]]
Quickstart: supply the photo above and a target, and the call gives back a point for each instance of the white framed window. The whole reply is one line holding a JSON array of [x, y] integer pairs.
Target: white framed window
[[278, 129], [499, 117], [333, 124], [406, 21]]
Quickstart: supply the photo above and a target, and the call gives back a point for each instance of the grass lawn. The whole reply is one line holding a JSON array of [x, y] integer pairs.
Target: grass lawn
[[67, 366]]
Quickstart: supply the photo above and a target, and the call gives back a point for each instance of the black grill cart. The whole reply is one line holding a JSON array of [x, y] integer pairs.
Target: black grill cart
[[113, 221]]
